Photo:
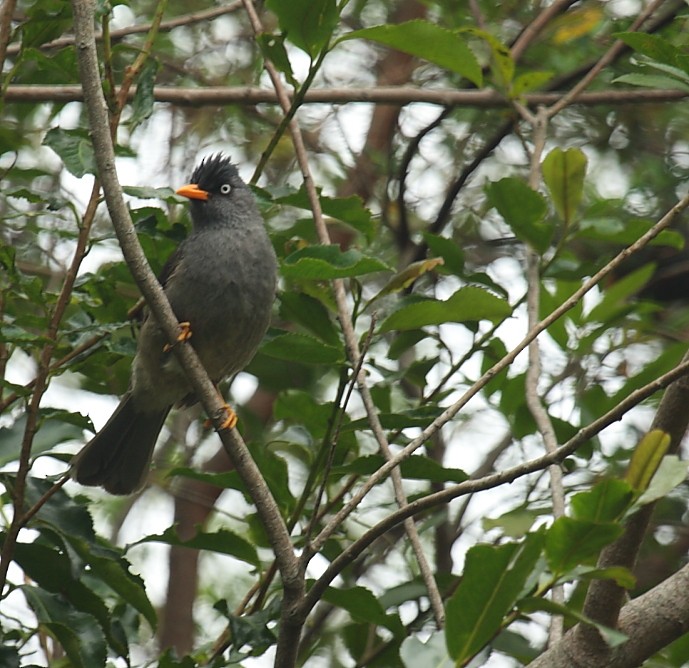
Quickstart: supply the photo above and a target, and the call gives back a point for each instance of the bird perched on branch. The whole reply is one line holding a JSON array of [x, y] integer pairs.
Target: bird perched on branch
[[220, 283]]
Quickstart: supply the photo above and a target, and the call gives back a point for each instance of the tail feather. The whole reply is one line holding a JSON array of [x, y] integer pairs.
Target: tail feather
[[119, 455]]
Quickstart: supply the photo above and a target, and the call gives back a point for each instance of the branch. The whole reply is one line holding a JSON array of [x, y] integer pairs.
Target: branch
[[472, 486], [398, 95], [449, 413], [157, 301], [650, 622]]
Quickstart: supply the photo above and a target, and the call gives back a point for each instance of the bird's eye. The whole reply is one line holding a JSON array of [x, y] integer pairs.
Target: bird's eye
[[225, 189]]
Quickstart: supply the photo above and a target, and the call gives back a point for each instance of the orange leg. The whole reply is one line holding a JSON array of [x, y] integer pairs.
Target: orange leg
[[185, 334]]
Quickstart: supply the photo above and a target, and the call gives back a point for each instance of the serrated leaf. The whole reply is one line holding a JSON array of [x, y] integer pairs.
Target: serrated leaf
[[74, 149], [78, 633], [528, 82], [302, 348], [445, 48], [308, 24], [502, 63], [468, 304], [327, 262], [523, 209], [652, 46], [447, 249], [563, 173]]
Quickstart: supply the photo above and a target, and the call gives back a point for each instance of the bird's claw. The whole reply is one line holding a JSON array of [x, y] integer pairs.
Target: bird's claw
[[185, 334]]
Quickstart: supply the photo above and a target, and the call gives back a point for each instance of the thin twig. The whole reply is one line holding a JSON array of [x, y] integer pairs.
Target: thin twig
[[490, 481], [449, 413]]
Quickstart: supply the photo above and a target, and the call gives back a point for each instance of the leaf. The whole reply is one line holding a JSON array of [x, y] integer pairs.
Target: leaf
[[222, 541], [447, 249], [671, 473], [408, 276], [606, 501], [302, 348], [326, 262], [54, 429], [432, 653], [311, 314], [612, 637], [646, 459], [652, 46], [78, 634], [349, 210], [523, 210], [362, 605], [468, 304], [493, 580], [570, 542], [563, 173], [528, 82], [144, 99], [416, 467], [616, 296], [308, 24], [74, 149], [445, 48], [502, 63]]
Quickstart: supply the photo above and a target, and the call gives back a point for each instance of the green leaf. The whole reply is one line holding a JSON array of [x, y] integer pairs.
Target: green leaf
[[302, 348], [432, 653], [612, 637], [78, 633], [311, 314], [328, 262], [445, 48], [646, 459], [308, 24], [409, 275], [349, 210], [54, 429], [468, 304], [652, 46], [606, 501], [416, 467], [523, 210], [616, 295], [362, 605], [493, 581], [671, 473], [563, 173], [501, 62], [273, 49], [74, 149], [447, 249], [222, 541], [528, 82], [570, 542], [144, 99], [652, 81]]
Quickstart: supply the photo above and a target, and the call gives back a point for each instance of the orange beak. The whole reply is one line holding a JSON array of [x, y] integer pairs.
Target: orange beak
[[192, 191]]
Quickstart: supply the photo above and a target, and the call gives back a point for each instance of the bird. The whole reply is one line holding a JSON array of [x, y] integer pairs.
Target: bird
[[220, 282]]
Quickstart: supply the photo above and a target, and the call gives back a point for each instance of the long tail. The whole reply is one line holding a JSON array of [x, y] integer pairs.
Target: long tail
[[119, 455]]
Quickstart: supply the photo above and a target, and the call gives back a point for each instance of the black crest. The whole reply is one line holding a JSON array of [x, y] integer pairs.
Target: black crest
[[213, 172]]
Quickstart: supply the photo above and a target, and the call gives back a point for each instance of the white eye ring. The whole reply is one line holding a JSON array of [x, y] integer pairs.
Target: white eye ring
[[225, 189]]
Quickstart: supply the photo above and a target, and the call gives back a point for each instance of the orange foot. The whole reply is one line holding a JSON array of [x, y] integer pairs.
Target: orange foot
[[184, 335], [228, 423], [230, 418]]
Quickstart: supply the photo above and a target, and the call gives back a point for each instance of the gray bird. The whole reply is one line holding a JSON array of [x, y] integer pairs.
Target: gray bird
[[221, 281]]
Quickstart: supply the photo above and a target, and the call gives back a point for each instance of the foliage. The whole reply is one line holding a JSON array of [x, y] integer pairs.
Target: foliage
[[454, 233]]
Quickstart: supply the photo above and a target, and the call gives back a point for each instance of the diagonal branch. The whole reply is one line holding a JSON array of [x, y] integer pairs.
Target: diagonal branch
[[157, 301]]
